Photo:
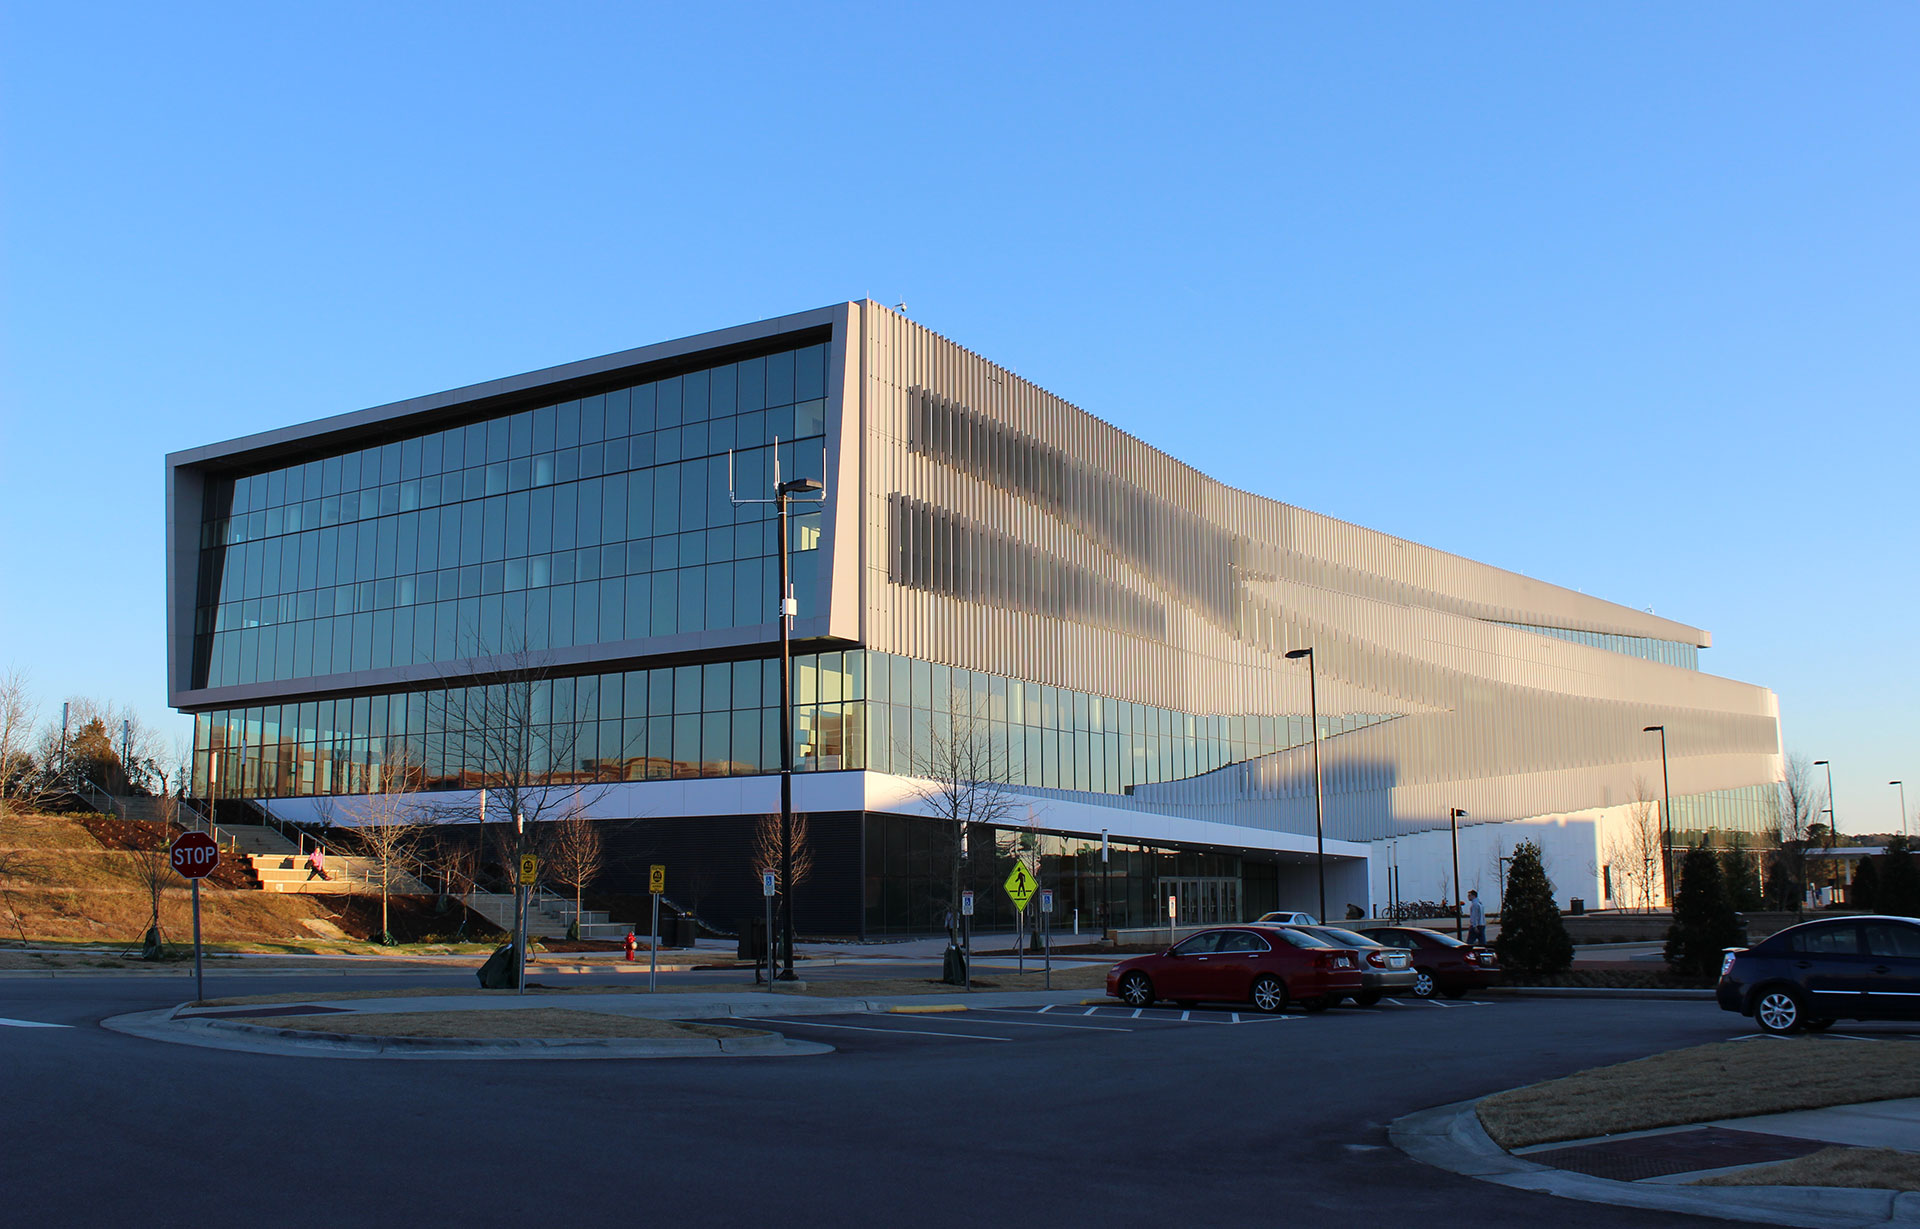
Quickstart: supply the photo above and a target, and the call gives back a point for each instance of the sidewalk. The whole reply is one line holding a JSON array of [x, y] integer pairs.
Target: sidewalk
[[1655, 1169]]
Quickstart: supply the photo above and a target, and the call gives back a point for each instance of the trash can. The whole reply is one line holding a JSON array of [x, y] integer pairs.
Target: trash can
[[1577, 906], [683, 929], [753, 939]]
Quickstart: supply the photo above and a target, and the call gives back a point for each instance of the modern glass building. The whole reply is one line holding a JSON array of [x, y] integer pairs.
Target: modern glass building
[[1099, 629]]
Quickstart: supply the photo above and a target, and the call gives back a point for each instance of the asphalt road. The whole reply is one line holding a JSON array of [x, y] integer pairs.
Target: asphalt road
[[1124, 1120]]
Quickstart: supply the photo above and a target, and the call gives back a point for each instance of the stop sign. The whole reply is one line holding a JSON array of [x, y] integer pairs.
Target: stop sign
[[194, 854]]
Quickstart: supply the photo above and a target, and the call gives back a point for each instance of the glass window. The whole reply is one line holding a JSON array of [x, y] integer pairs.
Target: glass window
[[1200, 944], [1893, 939], [1838, 940]]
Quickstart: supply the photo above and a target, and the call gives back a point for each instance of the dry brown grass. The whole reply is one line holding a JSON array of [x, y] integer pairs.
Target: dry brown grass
[[1729, 1079], [1880, 1168], [61, 884], [532, 1022]]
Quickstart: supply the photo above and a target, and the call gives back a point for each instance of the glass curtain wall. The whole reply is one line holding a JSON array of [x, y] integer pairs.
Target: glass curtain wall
[[603, 518], [909, 869], [852, 710]]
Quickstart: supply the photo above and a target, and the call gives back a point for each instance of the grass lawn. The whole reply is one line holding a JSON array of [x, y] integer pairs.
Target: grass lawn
[[1878, 1168], [1729, 1079], [533, 1022]]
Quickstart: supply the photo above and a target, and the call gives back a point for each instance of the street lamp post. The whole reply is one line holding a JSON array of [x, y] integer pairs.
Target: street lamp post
[[1319, 840], [811, 489], [1454, 816], [1903, 805], [1833, 829], [1666, 816]]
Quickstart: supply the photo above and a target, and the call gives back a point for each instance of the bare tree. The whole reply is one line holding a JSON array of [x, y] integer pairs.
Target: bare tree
[[766, 849], [518, 734], [391, 836], [1799, 801], [1634, 849], [153, 868], [961, 777], [23, 778], [574, 857]]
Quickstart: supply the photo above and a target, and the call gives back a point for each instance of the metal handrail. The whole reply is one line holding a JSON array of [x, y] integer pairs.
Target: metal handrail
[[94, 797]]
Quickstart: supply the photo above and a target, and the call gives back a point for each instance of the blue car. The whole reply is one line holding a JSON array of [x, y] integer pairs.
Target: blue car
[[1808, 976]]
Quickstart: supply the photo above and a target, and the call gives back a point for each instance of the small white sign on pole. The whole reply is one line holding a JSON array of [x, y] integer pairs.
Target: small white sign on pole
[[1046, 900], [766, 883], [966, 904]]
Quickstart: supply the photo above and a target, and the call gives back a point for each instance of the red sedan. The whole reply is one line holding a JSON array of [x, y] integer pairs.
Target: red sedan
[[1267, 967]]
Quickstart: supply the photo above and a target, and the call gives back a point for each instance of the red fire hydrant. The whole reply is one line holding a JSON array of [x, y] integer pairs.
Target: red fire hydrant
[[632, 945]]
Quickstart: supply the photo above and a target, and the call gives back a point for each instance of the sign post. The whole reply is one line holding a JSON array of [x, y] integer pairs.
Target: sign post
[[1020, 889], [966, 936], [656, 884], [1046, 931], [1173, 917], [529, 875], [194, 855], [768, 881]]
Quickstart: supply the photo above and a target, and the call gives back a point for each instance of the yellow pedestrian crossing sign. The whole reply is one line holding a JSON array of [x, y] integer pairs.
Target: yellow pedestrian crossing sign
[[1020, 885]]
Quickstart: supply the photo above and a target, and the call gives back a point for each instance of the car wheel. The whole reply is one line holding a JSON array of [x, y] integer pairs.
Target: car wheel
[[1368, 999], [1778, 1010], [1269, 994], [1423, 984], [1818, 1026], [1136, 990]]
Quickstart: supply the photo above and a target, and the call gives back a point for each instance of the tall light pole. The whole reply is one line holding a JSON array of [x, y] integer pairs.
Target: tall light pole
[[811, 489], [1454, 816], [1903, 805], [1319, 840], [1833, 829], [1666, 816]]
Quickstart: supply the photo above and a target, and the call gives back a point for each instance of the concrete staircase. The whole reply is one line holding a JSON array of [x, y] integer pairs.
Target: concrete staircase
[[288, 872], [497, 907]]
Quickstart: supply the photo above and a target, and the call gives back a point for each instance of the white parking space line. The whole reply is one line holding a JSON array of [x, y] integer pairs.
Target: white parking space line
[[1089, 1011], [1091, 1028], [1236, 1017], [30, 1024], [867, 1028], [1136, 1013], [1046, 1009], [1395, 1002]]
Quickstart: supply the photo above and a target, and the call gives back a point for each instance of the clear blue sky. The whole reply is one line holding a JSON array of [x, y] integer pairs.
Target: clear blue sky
[[1619, 296]]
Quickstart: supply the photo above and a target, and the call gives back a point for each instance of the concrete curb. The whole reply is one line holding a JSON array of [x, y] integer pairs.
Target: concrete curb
[[1450, 1137], [160, 1025]]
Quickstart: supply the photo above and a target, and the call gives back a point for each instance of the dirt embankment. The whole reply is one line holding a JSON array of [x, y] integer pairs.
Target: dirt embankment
[[65, 879]]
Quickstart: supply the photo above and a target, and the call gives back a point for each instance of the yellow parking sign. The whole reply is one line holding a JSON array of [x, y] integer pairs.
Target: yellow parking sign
[[656, 878], [529, 870]]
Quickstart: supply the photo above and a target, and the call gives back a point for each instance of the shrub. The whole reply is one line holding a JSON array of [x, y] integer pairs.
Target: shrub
[[1864, 893], [1532, 939], [1899, 889], [1703, 917]]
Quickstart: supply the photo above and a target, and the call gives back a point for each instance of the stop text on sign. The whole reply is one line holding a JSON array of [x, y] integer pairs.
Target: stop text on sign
[[193, 855]]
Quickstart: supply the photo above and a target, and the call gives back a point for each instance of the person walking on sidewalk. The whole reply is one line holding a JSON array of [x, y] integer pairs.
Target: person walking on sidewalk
[[1476, 919]]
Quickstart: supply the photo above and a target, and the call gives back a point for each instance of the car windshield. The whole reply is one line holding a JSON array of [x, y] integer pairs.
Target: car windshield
[[1300, 938]]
